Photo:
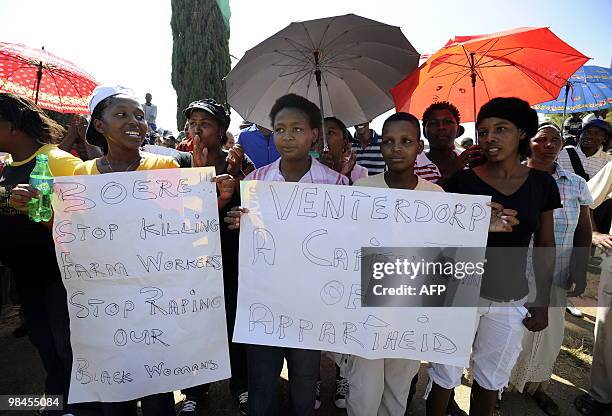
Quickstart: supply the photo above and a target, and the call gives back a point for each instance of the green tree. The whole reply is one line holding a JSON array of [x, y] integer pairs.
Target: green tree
[[200, 53]]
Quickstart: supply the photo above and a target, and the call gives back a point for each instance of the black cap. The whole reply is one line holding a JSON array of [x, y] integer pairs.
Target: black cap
[[213, 108]]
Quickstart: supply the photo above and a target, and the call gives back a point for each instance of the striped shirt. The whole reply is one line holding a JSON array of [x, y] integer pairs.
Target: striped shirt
[[426, 169], [370, 156], [186, 145], [591, 164], [318, 173]]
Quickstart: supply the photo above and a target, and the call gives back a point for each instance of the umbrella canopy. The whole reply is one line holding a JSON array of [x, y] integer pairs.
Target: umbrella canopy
[[589, 89], [356, 59], [529, 63], [52, 82]]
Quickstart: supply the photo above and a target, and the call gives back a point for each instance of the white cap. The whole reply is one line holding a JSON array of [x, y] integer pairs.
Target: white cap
[[102, 92]]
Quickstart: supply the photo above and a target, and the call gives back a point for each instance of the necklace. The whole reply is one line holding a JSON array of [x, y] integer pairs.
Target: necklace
[[127, 169]]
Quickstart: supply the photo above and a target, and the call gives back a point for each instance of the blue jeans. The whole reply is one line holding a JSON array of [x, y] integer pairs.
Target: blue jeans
[[264, 367]]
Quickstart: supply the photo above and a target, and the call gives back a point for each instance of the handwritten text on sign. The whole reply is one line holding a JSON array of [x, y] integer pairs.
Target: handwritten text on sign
[[300, 248], [140, 257]]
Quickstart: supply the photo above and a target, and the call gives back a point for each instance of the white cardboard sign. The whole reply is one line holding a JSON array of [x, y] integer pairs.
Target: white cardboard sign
[[299, 283], [140, 258]]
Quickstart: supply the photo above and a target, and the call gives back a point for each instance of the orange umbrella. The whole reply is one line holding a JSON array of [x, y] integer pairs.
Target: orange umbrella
[[529, 63]]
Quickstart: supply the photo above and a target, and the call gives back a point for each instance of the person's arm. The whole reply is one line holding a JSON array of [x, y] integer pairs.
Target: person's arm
[[543, 267], [69, 139], [600, 187], [580, 252], [226, 186], [233, 217]]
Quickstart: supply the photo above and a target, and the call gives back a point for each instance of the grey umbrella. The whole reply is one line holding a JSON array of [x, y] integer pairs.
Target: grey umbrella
[[345, 63]]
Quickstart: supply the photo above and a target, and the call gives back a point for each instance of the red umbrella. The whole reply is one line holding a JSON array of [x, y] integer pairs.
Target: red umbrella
[[52, 82], [529, 63]]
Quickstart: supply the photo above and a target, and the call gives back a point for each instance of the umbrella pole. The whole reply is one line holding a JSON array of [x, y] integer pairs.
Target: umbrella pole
[[318, 78], [567, 86], [473, 76], [38, 78]]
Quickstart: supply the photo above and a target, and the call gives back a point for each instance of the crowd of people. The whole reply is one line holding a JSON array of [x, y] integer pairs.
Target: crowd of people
[[544, 195]]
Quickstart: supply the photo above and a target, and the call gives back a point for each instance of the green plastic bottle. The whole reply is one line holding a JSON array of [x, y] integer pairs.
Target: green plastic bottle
[[39, 209]]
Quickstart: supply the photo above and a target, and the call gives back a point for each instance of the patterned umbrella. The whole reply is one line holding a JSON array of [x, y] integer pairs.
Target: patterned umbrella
[[589, 89], [52, 82]]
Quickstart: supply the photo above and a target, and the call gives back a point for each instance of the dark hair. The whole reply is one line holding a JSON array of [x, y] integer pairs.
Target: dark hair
[[346, 135], [441, 105], [299, 103], [28, 118], [401, 116], [516, 111], [96, 138]]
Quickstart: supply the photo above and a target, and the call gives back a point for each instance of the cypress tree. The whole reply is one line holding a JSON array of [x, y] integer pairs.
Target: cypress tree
[[200, 52]]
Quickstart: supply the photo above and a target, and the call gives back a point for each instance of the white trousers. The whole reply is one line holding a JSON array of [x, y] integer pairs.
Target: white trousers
[[496, 347], [378, 387]]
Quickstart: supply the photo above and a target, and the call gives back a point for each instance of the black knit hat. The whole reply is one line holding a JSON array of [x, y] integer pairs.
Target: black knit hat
[[514, 110]]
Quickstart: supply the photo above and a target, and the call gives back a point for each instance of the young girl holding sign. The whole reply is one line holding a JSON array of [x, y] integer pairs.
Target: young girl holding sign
[[381, 386], [118, 127], [297, 123]]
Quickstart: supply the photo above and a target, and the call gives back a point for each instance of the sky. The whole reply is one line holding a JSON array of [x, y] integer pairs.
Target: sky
[[129, 42]]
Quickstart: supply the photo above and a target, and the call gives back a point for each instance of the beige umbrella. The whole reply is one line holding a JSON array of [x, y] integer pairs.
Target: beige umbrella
[[345, 63]]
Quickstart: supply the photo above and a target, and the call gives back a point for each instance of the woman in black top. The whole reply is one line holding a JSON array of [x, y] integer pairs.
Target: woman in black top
[[505, 126], [207, 123]]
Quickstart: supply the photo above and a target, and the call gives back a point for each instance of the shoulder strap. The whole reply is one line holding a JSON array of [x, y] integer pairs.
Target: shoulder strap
[[576, 163]]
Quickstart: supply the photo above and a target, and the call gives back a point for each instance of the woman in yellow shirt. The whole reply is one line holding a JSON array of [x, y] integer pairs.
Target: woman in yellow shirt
[[118, 127], [27, 247]]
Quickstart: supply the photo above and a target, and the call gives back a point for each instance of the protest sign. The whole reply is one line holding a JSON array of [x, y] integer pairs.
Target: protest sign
[[300, 261], [140, 257]]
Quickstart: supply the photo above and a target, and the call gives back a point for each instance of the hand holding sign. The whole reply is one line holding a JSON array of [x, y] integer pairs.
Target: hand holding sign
[[233, 217], [226, 186]]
